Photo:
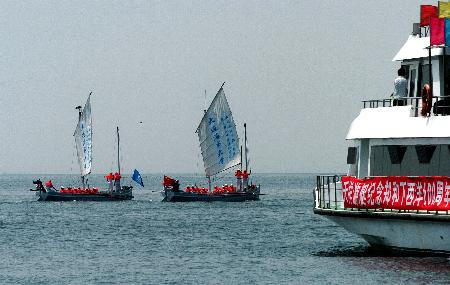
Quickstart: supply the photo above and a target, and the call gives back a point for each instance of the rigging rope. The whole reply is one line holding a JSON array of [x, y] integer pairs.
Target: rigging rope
[[223, 174]]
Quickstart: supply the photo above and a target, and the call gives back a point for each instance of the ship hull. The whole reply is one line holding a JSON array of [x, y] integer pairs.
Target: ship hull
[[396, 231], [170, 196]]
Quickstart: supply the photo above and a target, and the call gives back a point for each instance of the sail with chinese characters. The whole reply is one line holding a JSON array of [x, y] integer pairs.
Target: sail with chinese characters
[[219, 142], [83, 139]]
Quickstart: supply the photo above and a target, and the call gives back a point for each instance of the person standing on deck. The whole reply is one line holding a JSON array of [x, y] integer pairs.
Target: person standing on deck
[[245, 179], [176, 186], [109, 178], [400, 88], [117, 178], [238, 175], [49, 186]]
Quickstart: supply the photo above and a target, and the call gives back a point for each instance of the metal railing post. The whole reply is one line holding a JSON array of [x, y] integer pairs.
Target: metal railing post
[[323, 191], [328, 187], [317, 201], [335, 193]]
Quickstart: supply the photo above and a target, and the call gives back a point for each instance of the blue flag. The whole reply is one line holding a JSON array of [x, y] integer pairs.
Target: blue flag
[[447, 31], [137, 178]]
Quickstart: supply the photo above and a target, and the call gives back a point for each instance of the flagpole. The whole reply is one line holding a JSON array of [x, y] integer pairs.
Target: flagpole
[[444, 63], [429, 61], [430, 71]]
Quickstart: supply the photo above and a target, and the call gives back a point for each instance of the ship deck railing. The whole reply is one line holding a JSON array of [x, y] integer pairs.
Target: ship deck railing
[[441, 104], [328, 196]]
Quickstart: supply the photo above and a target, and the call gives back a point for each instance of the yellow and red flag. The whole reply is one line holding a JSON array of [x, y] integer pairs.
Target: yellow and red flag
[[444, 9]]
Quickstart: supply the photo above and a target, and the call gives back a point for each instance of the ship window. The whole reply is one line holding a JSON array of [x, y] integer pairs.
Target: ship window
[[406, 68], [351, 155], [412, 83], [425, 152], [396, 153], [425, 76], [446, 76]]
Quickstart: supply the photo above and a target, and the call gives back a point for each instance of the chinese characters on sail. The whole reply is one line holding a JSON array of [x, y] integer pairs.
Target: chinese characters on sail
[[229, 131], [86, 139], [397, 192], [217, 139], [83, 139]]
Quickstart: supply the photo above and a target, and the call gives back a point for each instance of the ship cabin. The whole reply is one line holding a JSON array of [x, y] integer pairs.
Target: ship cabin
[[388, 140], [396, 193], [392, 141]]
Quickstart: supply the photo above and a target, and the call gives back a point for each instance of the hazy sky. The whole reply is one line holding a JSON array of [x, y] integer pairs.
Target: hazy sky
[[295, 71]]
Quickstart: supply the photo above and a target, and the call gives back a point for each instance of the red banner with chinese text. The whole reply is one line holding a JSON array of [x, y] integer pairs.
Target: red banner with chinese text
[[397, 192]]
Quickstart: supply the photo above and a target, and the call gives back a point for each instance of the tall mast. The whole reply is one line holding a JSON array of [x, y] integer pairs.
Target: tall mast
[[245, 146], [118, 150], [241, 159], [204, 110], [79, 117]]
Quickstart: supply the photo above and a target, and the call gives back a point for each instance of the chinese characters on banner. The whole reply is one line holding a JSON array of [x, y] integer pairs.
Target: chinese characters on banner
[[397, 192]]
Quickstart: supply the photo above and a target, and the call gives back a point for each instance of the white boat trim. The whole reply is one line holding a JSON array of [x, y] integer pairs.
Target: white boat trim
[[397, 122], [415, 48]]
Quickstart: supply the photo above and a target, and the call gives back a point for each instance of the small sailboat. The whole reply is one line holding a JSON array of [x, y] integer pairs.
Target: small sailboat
[[219, 144], [83, 142]]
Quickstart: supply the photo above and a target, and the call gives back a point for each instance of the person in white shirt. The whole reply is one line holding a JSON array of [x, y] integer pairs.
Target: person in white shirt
[[400, 88]]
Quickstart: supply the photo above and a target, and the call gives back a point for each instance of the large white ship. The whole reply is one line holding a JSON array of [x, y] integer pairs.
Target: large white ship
[[396, 193]]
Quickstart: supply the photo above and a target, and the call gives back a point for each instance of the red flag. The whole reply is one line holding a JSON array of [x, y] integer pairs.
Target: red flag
[[427, 11], [168, 181], [437, 35]]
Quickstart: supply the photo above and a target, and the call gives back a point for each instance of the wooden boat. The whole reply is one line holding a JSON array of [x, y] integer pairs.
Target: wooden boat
[[125, 194], [219, 144], [182, 196], [83, 141]]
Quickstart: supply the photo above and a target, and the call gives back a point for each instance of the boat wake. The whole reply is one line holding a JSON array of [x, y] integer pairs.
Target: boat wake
[[372, 251]]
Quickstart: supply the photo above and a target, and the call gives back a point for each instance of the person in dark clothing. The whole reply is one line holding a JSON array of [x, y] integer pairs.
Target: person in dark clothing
[[176, 186], [39, 186]]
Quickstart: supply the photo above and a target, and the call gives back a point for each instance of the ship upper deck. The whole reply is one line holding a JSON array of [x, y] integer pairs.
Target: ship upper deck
[[398, 122], [423, 65], [416, 47]]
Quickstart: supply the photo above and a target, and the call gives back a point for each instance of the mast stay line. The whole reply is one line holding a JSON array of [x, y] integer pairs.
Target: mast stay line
[[221, 87]]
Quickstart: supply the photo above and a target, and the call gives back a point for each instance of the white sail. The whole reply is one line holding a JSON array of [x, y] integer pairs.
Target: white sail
[[83, 139], [218, 138]]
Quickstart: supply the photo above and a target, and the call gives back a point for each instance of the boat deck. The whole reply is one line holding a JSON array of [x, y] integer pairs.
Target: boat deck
[[181, 196], [56, 196], [328, 200]]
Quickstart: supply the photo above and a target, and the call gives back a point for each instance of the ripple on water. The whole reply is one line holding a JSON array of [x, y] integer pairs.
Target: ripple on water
[[273, 241]]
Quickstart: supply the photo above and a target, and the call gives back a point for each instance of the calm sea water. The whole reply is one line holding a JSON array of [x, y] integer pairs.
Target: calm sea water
[[277, 240]]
